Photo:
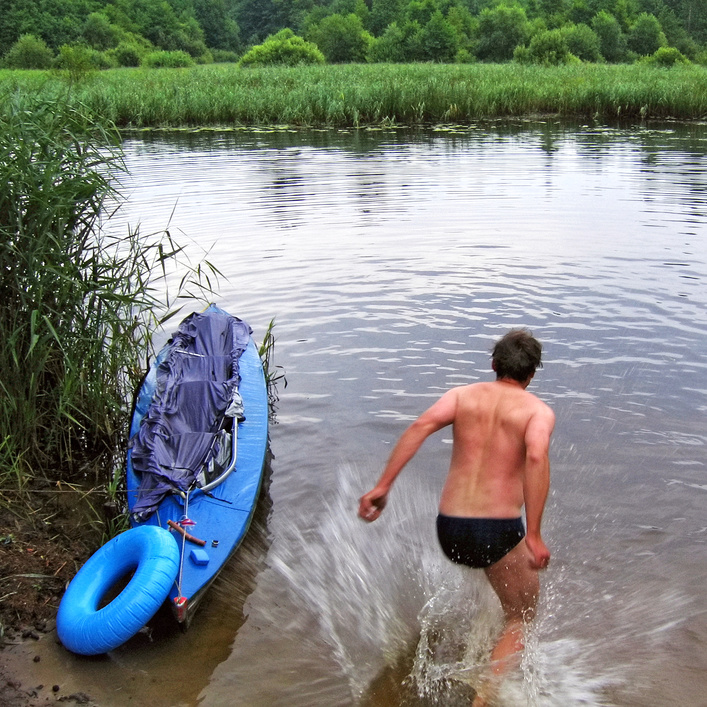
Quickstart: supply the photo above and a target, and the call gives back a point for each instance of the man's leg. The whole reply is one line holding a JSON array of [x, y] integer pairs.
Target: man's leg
[[517, 586]]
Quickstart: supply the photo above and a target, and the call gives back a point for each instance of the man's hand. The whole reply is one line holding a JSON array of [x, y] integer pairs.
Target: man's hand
[[539, 553], [372, 504]]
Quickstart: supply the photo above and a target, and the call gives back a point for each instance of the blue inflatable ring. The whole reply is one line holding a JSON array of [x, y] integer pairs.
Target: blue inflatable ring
[[153, 553]]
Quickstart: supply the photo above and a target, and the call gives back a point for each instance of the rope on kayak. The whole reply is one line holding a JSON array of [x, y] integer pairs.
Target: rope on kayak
[[183, 553]]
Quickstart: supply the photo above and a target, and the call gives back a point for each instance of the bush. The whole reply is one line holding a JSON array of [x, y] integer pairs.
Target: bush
[[29, 52], [126, 54], [284, 48], [167, 60], [341, 39], [78, 61], [549, 47], [667, 56], [224, 56]]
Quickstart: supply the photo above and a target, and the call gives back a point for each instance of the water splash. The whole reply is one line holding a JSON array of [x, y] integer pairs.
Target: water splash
[[392, 610], [375, 616]]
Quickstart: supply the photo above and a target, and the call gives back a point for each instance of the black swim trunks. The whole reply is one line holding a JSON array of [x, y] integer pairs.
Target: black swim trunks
[[478, 542]]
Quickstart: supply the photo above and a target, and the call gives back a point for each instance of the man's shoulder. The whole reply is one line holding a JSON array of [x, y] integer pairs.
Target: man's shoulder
[[542, 410]]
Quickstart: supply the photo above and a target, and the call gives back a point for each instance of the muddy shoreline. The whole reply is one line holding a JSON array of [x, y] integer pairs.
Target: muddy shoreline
[[44, 540]]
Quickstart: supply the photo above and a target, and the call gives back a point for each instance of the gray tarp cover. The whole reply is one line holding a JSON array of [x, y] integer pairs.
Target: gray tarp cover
[[195, 385]]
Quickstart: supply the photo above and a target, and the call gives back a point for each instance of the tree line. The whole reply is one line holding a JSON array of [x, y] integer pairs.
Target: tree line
[[40, 33]]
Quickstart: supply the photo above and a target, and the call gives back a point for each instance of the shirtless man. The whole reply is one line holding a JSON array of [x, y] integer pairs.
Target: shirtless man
[[500, 462]]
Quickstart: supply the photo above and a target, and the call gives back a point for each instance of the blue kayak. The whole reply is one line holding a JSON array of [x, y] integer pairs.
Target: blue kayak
[[195, 464]]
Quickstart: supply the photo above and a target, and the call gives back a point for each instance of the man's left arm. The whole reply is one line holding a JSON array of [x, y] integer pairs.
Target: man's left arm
[[536, 483]]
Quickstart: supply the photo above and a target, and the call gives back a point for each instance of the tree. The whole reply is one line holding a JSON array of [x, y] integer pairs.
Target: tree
[[646, 35], [390, 47], [29, 52], [501, 30], [220, 28], [440, 39], [383, 14], [612, 42], [582, 41], [581, 12], [341, 39], [100, 33], [554, 12], [259, 19], [421, 11]]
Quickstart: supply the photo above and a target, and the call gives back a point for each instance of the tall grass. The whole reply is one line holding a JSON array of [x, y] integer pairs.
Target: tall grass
[[77, 305], [357, 95]]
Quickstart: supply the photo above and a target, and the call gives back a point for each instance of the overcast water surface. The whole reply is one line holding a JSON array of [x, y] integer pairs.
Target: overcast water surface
[[391, 261]]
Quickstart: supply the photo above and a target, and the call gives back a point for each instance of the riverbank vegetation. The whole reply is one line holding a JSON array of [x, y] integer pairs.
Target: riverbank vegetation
[[372, 95], [78, 302], [112, 33]]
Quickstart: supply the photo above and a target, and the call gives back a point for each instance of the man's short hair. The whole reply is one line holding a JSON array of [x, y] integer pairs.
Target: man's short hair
[[517, 355]]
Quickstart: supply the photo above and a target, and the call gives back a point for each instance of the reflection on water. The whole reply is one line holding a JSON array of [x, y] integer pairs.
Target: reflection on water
[[391, 260]]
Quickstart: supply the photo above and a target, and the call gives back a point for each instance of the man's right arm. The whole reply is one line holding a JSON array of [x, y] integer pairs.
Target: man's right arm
[[435, 418]]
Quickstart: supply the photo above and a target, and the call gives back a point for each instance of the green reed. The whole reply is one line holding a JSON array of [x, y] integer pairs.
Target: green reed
[[358, 95], [77, 303]]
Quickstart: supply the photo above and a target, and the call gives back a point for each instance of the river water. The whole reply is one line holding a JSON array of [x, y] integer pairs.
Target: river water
[[391, 261]]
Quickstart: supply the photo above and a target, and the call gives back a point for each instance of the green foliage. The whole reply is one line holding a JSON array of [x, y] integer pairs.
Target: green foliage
[[612, 42], [78, 306], [646, 35], [341, 39], [127, 54], [501, 30], [439, 38], [55, 284], [548, 47], [667, 57], [374, 94], [491, 29], [383, 14], [76, 62], [391, 47], [29, 52], [221, 30], [99, 33], [283, 49], [583, 42], [167, 60], [223, 56]]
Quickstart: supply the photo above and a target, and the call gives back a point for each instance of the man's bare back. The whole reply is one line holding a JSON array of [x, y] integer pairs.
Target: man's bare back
[[500, 463], [488, 461]]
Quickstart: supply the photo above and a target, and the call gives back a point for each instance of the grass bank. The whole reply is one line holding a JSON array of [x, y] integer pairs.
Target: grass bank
[[356, 95]]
